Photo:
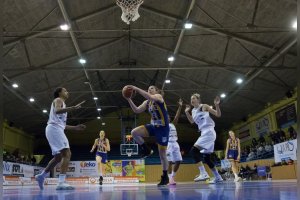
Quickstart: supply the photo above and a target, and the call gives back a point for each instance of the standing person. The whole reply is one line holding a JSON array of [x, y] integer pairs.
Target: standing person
[[159, 126], [103, 147], [233, 154], [204, 146], [57, 139], [173, 150]]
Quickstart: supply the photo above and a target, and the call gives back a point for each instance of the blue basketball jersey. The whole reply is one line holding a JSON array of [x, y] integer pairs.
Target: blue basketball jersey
[[158, 112]]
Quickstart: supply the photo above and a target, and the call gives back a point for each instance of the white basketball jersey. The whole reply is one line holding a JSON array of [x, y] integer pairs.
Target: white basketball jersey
[[173, 133], [57, 119], [201, 118]]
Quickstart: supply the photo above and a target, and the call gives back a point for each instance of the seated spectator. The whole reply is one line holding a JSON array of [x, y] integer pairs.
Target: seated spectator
[[276, 137], [251, 156], [244, 154], [254, 143], [282, 139], [33, 160], [260, 150], [292, 132], [262, 140], [268, 147], [272, 137], [281, 133], [243, 173], [251, 172]]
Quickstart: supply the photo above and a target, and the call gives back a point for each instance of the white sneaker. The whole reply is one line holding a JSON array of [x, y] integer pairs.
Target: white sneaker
[[201, 177], [171, 181], [215, 180], [64, 186], [238, 179], [40, 179]]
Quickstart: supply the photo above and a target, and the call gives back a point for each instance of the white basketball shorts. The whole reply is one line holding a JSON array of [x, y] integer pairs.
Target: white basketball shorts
[[207, 140], [173, 152], [56, 138]]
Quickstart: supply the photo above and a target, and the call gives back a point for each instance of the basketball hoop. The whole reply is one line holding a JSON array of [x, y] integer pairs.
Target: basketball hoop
[[129, 152], [129, 9]]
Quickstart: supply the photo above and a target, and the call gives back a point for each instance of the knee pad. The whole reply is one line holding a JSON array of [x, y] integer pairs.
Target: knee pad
[[198, 157], [208, 161]]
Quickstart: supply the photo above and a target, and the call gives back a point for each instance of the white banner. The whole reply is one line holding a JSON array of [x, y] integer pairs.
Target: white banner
[[285, 150], [22, 170], [79, 169], [7, 168]]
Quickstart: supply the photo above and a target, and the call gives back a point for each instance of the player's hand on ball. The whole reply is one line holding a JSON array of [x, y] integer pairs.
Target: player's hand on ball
[[131, 87]]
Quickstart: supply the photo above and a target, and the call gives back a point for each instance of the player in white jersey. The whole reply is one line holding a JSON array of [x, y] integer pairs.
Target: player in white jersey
[[57, 139], [204, 146], [173, 149]]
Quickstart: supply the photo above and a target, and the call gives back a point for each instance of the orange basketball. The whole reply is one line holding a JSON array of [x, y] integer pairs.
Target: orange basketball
[[127, 92]]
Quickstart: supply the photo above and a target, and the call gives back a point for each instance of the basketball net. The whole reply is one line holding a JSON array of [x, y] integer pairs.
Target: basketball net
[[129, 152], [129, 9]]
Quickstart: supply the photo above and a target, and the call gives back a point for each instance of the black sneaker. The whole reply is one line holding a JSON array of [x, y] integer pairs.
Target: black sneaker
[[100, 180], [164, 181], [147, 153]]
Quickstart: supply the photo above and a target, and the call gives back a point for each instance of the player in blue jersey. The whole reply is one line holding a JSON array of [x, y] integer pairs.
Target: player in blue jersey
[[158, 127], [233, 154]]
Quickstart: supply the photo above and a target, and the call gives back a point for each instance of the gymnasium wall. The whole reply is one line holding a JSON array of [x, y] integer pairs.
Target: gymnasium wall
[[186, 172], [253, 121], [15, 138]]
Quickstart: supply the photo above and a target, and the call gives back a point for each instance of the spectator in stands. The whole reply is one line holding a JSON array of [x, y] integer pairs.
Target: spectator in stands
[[260, 150], [255, 168], [243, 173], [268, 147], [249, 172], [254, 143], [262, 140], [16, 154], [282, 138], [292, 132], [244, 152], [277, 137], [251, 156], [4, 155], [271, 135], [33, 160], [281, 133]]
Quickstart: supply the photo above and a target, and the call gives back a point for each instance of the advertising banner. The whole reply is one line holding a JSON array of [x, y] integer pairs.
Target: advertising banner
[[285, 151], [113, 168]]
